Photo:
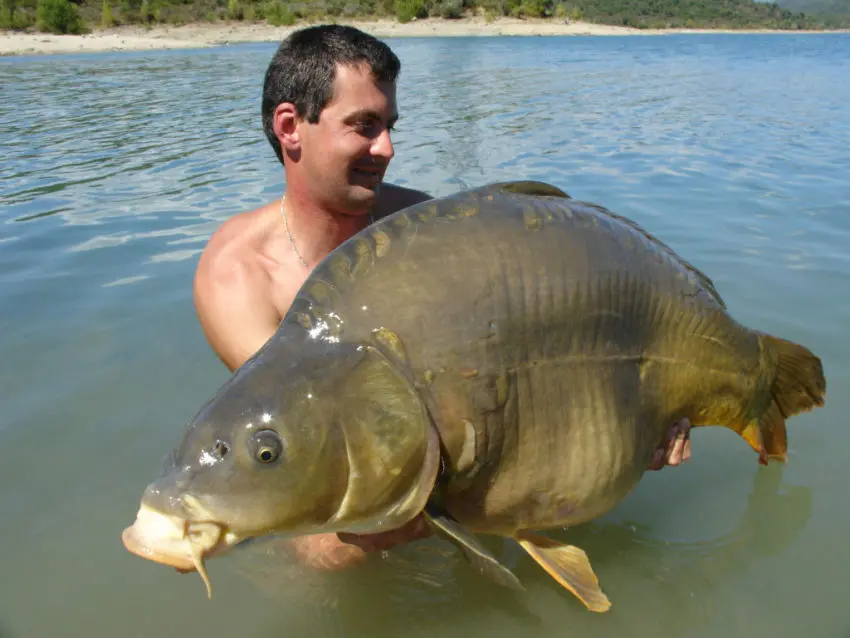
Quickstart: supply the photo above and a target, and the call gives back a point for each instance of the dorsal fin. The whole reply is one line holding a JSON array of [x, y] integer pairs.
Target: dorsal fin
[[527, 187]]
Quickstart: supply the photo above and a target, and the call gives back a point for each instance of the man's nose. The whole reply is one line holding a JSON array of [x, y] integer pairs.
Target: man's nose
[[382, 146]]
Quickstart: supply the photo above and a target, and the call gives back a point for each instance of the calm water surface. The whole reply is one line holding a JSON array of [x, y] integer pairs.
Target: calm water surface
[[116, 168]]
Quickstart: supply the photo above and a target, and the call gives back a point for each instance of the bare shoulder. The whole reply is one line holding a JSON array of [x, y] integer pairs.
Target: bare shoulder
[[232, 289], [393, 198], [227, 258]]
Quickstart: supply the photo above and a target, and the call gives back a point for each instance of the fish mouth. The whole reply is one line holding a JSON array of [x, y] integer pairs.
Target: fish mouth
[[177, 542]]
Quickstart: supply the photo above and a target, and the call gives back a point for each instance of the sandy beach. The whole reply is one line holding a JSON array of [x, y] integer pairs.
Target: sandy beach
[[216, 34]]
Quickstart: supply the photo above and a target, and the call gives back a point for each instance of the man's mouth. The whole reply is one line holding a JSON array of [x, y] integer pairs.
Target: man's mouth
[[370, 175]]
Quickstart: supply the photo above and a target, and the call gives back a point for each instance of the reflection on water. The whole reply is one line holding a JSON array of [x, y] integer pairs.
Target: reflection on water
[[117, 168]]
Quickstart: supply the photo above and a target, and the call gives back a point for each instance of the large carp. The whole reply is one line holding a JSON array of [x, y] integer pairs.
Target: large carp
[[502, 361]]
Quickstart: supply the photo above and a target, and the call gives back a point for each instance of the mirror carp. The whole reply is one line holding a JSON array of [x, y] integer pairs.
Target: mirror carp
[[504, 361]]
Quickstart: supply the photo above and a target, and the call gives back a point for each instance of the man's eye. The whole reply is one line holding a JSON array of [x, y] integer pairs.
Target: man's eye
[[371, 128]]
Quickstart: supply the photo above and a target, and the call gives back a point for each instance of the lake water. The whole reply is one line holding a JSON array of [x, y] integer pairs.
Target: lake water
[[116, 168]]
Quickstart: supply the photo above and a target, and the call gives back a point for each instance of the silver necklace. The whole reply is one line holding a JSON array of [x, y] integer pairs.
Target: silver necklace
[[289, 233]]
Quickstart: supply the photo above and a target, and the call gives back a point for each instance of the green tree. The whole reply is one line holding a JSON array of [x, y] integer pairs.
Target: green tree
[[59, 16], [106, 19], [406, 10]]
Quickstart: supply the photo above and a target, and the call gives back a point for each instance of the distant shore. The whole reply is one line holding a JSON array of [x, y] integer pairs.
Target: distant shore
[[136, 38]]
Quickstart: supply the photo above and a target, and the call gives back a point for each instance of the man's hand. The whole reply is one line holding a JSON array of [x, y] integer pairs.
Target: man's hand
[[414, 530], [332, 552], [676, 449]]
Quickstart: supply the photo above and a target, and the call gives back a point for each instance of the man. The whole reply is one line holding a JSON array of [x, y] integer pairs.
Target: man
[[328, 108]]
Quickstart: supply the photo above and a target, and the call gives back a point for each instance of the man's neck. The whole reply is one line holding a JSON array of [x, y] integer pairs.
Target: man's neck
[[315, 231]]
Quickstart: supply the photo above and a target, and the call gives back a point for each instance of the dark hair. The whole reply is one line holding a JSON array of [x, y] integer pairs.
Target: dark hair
[[304, 67]]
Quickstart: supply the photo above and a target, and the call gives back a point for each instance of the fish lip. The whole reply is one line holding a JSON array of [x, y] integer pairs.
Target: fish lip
[[135, 545], [166, 539]]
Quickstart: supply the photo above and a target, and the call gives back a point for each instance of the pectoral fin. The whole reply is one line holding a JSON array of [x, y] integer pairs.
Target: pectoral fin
[[569, 566], [477, 555]]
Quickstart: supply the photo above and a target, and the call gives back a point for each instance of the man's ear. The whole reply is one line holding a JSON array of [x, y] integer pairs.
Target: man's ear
[[285, 121]]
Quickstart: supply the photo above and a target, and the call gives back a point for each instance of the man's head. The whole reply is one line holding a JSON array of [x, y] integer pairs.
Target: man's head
[[328, 107]]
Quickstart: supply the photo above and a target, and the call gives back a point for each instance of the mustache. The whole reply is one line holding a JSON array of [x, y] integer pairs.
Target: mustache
[[371, 166]]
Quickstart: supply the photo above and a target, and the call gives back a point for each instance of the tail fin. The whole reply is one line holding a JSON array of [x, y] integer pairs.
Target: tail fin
[[799, 386]]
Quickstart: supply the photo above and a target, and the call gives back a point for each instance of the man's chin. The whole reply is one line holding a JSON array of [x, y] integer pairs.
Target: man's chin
[[361, 199]]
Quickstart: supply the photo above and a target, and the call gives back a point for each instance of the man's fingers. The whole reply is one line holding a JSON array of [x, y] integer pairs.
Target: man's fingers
[[676, 449], [679, 449], [326, 552]]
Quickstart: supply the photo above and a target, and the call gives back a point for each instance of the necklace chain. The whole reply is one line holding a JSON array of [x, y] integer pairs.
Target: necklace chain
[[289, 232]]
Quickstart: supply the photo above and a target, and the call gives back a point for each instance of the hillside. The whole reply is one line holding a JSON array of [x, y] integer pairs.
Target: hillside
[[62, 16], [820, 8]]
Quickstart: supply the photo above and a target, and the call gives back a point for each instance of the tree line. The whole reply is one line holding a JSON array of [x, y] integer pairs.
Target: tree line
[[80, 16]]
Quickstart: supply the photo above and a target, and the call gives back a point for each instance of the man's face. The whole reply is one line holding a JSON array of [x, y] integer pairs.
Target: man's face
[[346, 154]]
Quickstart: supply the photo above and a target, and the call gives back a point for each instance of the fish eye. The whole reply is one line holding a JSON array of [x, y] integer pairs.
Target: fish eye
[[266, 446]]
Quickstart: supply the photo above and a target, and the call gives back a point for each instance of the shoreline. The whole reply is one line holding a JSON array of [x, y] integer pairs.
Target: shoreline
[[203, 35]]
